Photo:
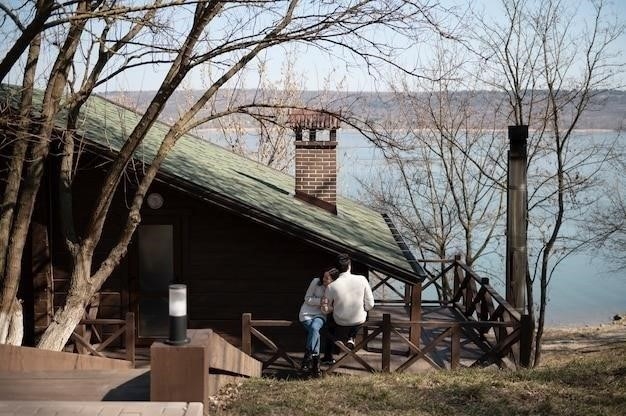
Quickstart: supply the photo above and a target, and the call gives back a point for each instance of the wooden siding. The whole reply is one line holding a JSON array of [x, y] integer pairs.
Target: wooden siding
[[230, 264]]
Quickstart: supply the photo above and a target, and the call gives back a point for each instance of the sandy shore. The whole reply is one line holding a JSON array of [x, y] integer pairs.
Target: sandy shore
[[569, 342]]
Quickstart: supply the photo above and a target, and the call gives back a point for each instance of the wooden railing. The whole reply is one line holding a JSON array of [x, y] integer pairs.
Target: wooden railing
[[447, 337], [89, 336], [250, 328], [484, 317], [478, 302]]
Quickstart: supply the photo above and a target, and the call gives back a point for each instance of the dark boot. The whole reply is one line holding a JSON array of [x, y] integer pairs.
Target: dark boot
[[315, 365], [306, 362]]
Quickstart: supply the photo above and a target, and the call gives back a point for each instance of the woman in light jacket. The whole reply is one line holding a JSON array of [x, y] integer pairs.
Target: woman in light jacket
[[313, 318]]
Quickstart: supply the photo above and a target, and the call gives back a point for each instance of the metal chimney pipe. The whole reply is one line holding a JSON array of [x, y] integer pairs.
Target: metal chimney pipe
[[516, 219]]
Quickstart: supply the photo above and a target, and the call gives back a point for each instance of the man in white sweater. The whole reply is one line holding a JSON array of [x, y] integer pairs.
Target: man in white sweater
[[349, 297]]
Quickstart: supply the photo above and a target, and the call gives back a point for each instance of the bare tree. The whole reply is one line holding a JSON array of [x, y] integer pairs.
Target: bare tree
[[225, 36], [262, 133], [551, 66], [448, 166], [607, 229], [35, 166]]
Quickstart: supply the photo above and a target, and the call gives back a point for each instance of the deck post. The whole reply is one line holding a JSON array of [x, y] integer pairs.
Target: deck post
[[484, 307], [457, 276], [455, 346], [129, 338], [415, 332], [246, 338], [526, 339], [468, 297], [386, 359]]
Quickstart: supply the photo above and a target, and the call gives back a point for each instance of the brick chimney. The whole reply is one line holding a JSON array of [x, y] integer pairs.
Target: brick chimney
[[316, 160]]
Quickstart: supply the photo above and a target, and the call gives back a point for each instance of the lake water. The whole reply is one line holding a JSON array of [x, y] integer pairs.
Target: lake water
[[582, 290]]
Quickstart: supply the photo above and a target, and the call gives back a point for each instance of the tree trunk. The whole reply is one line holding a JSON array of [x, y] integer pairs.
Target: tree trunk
[[63, 324], [66, 318], [35, 169], [542, 310], [16, 324], [9, 319], [33, 30], [11, 195]]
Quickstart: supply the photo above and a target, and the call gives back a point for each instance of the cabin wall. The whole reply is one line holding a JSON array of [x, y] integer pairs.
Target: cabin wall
[[231, 264]]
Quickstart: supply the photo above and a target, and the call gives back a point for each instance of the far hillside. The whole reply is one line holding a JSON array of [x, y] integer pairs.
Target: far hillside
[[607, 109]]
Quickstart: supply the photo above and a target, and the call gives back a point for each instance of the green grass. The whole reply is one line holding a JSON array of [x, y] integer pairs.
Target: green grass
[[592, 384]]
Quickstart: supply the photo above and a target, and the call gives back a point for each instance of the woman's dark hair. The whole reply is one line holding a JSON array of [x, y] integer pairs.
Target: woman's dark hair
[[333, 272]]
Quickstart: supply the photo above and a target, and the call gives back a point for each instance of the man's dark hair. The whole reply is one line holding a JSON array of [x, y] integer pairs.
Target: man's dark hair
[[343, 262]]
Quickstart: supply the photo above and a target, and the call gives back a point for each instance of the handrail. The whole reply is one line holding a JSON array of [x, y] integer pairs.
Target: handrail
[[470, 276], [494, 294], [126, 330], [490, 322], [450, 329]]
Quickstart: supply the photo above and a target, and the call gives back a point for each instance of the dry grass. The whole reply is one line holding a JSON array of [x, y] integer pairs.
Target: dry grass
[[587, 381]]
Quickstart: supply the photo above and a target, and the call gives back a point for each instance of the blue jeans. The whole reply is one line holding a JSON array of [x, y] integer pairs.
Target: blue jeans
[[313, 327]]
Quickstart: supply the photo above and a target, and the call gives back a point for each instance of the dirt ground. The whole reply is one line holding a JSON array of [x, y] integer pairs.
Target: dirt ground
[[569, 342]]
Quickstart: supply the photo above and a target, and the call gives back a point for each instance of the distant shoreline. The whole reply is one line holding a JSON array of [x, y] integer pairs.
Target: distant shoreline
[[249, 130], [574, 326]]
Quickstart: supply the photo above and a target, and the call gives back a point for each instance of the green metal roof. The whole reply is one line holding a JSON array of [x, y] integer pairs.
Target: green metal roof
[[262, 192]]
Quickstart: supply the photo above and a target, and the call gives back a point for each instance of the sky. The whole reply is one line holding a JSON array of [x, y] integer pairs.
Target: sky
[[316, 70]]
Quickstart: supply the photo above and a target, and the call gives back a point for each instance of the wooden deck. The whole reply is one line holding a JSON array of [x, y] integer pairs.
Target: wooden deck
[[470, 351], [34, 408], [438, 357], [72, 385], [42, 382], [465, 322]]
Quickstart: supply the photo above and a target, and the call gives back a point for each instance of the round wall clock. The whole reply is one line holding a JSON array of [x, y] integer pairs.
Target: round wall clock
[[155, 200]]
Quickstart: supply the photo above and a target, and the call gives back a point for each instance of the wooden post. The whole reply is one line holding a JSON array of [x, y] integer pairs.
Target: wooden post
[[179, 373], [407, 294], [484, 306], [503, 331], [42, 281], [469, 294], [386, 360], [415, 332], [129, 338], [246, 337], [525, 341], [457, 275], [455, 346]]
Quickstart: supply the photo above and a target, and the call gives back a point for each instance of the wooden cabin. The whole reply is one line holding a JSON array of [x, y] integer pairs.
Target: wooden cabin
[[243, 237]]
